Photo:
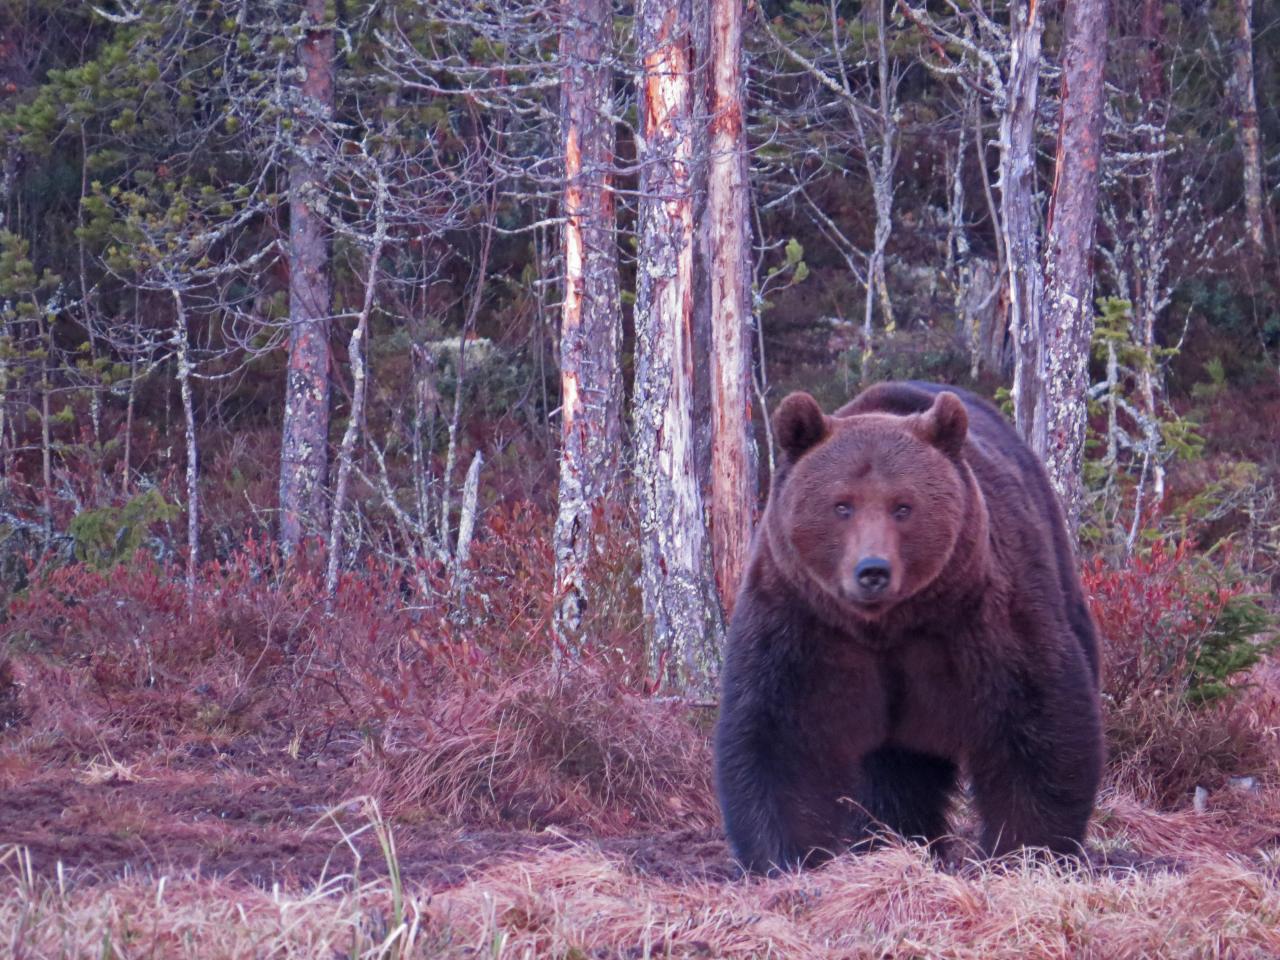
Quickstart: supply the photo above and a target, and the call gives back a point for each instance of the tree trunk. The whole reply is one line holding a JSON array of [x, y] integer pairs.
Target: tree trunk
[[182, 353], [356, 349], [126, 459], [1073, 208], [882, 176], [991, 279], [1019, 219], [680, 604], [305, 438], [1247, 110], [6, 446], [1151, 253], [590, 320], [733, 454], [46, 438]]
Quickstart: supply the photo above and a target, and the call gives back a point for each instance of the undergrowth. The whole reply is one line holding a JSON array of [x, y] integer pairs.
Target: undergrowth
[[453, 689], [1181, 634]]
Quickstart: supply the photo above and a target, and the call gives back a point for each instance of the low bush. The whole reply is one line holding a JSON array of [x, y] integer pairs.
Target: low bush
[[450, 682], [1181, 633]]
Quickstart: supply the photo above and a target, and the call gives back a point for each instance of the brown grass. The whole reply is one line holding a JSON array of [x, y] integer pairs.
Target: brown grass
[[581, 903], [537, 750], [584, 805], [1161, 748]]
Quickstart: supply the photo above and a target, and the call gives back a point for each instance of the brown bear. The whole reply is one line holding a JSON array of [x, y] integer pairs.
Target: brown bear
[[911, 611]]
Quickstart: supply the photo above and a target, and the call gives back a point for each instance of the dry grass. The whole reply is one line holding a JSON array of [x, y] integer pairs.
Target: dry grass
[[537, 750], [119, 709], [581, 903]]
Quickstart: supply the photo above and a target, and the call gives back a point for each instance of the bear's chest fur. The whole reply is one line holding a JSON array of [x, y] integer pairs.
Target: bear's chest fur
[[915, 696]]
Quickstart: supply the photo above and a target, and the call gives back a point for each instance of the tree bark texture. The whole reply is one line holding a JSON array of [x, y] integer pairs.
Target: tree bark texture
[[988, 310], [881, 175], [1019, 218], [681, 610], [356, 349], [182, 355], [1073, 208], [304, 442], [733, 453], [590, 320], [1247, 117], [1151, 253]]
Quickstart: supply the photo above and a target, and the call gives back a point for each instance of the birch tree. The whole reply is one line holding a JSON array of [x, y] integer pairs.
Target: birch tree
[[590, 322], [374, 177], [679, 595], [999, 66], [304, 447], [1140, 217], [1020, 219]]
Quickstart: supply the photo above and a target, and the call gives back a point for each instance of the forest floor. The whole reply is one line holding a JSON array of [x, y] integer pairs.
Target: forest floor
[[254, 777], [258, 845], [265, 810]]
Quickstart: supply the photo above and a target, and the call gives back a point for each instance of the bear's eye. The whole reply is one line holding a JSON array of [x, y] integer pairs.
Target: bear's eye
[[844, 511], [901, 511]]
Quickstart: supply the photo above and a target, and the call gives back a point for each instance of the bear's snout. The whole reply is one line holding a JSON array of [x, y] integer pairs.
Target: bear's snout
[[873, 574]]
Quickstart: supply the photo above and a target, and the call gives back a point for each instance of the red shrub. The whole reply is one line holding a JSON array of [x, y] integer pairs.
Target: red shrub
[[1152, 614], [1178, 634]]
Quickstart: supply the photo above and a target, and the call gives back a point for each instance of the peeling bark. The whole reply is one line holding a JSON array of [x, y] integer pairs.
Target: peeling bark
[[305, 435], [1020, 220], [733, 454], [590, 321], [680, 606], [1068, 310]]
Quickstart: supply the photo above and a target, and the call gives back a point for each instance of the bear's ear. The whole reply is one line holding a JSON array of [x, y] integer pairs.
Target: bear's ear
[[945, 424], [799, 424]]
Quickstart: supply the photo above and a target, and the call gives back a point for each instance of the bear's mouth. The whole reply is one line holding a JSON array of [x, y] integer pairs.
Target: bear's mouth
[[868, 604]]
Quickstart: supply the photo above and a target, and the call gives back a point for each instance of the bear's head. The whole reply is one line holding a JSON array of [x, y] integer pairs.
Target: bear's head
[[870, 507]]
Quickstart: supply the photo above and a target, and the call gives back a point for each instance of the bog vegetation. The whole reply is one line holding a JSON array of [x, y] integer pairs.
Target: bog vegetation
[[335, 617]]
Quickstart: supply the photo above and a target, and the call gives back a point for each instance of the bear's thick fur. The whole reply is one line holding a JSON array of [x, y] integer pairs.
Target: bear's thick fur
[[911, 610]]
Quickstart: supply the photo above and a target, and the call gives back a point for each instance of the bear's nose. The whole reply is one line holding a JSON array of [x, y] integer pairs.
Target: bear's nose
[[872, 574]]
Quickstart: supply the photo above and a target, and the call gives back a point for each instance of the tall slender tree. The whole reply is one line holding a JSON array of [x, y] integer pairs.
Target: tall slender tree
[[680, 604], [304, 449], [1020, 215], [733, 459], [1151, 253], [590, 323], [1246, 103], [1073, 208]]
